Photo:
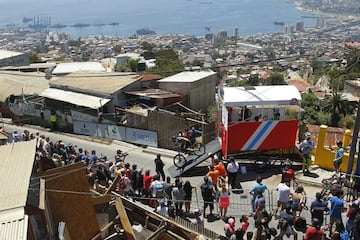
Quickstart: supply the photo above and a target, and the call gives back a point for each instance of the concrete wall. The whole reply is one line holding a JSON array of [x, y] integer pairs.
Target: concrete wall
[[198, 95], [324, 155]]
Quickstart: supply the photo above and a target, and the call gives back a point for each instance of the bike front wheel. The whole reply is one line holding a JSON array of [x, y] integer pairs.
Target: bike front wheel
[[179, 160], [199, 149]]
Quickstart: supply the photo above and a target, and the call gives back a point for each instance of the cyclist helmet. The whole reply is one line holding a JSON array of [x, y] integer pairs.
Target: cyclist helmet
[[307, 134]]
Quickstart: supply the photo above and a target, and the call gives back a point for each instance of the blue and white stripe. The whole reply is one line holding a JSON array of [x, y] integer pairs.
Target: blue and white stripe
[[258, 137]]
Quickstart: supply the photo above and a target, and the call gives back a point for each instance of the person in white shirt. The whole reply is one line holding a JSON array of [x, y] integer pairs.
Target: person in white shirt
[[162, 208], [284, 192], [232, 170]]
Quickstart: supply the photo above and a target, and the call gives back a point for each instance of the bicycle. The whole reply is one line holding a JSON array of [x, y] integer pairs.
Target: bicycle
[[182, 145], [262, 165]]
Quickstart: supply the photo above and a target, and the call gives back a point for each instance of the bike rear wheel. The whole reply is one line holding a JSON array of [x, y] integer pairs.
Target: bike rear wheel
[[349, 197], [199, 149], [179, 160]]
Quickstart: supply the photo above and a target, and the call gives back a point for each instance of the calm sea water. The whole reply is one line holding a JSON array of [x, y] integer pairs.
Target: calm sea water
[[163, 16]]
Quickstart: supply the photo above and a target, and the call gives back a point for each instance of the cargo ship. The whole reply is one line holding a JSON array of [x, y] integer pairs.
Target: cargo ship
[[279, 23], [145, 31]]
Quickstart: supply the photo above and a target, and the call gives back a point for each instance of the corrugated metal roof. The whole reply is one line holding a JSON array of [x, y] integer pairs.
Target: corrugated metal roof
[[79, 99], [15, 170], [187, 76], [13, 224], [63, 68], [7, 54], [101, 83], [17, 82]]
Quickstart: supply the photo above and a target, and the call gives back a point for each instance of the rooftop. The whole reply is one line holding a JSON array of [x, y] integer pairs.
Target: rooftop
[[188, 76], [103, 83]]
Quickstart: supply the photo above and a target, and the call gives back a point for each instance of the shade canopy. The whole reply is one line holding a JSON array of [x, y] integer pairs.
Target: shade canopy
[[260, 95]]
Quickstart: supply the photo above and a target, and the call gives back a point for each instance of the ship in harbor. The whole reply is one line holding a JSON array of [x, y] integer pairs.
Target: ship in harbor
[[145, 31], [279, 23], [58, 25], [80, 25]]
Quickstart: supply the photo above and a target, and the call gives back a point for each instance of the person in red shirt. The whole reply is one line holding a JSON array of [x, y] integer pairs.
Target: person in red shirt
[[147, 182], [315, 232]]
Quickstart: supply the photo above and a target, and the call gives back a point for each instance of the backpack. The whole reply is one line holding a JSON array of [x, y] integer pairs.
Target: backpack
[[207, 191], [300, 224]]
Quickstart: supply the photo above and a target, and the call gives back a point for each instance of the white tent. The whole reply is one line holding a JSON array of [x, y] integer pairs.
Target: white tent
[[260, 95]]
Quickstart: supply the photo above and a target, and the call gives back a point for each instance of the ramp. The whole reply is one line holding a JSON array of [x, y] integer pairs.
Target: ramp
[[192, 160]]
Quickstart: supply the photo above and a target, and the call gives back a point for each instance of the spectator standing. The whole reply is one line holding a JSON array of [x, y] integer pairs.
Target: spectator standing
[[178, 197], [207, 193], [336, 208], [351, 216], [317, 208], [146, 183], [157, 190], [232, 171], [213, 175], [140, 181], [133, 176], [338, 156], [188, 195], [298, 201], [306, 147], [93, 158], [244, 221], [286, 223], [224, 200], [315, 232], [159, 166], [284, 193], [168, 186], [259, 202], [253, 191], [162, 209], [229, 228]]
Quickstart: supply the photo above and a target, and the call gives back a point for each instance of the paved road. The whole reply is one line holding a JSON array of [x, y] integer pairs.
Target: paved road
[[143, 157]]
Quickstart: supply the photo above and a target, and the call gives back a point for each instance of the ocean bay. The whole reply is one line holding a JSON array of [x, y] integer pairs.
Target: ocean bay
[[194, 17]]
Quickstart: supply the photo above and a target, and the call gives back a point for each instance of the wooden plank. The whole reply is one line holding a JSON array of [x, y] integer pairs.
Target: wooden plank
[[129, 232], [107, 226], [157, 232], [101, 199], [61, 170], [113, 185]]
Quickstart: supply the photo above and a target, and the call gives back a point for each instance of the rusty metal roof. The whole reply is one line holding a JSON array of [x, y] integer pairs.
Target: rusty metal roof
[[15, 170]]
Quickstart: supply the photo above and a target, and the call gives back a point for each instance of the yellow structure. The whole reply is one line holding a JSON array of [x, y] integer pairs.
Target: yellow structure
[[324, 155]]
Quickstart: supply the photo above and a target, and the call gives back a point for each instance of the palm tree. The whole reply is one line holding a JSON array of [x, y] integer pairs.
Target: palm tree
[[336, 105]]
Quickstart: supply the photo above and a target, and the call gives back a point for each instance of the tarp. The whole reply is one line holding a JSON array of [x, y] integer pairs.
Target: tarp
[[78, 99], [260, 95]]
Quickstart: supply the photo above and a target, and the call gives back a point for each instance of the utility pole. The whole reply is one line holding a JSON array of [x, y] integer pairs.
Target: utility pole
[[355, 138]]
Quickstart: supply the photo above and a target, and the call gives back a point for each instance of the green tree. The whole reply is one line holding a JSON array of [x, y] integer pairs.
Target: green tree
[[167, 62], [277, 79], [254, 80], [133, 64], [147, 46], [34, 58], [117, 49], [336, 106], [309, 100]]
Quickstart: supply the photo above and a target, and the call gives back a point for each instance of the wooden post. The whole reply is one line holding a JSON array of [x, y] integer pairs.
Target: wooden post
[[129, 232]]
